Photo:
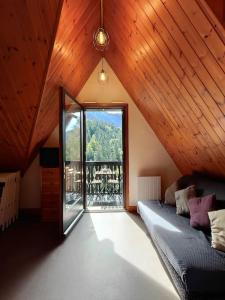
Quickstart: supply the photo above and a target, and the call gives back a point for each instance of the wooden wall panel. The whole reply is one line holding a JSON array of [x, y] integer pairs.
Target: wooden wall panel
[[73, 59], [170, 57], [26, 37]]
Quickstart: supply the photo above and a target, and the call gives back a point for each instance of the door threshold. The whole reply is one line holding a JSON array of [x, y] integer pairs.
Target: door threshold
[[69, 229], [107, 210]]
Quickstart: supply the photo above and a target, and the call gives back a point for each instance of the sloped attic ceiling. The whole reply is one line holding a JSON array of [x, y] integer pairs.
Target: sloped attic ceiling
[[73, 60], [34, 62], [26, 35], [169, 55]]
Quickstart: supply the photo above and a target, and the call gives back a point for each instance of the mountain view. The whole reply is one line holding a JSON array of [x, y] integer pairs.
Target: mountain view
[[103, 137], [114, 117]]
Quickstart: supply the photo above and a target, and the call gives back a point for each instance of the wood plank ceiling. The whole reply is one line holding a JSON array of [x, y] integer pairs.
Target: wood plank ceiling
[[73, 59], [169, 55], [34, 59], [26, 36], [218, 8]]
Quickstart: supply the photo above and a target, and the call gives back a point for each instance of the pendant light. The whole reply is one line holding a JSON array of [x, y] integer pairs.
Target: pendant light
[[102, 75], [101, 37]]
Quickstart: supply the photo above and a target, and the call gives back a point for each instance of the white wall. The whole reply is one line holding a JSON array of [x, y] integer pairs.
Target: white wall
[[147, 156], [30, 191]]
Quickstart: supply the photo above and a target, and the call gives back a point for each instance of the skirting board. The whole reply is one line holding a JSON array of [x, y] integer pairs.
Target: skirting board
[[132, 209]]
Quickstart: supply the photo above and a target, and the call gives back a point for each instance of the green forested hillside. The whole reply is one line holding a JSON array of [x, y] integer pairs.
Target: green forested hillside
[[104, 142], [73, 144]]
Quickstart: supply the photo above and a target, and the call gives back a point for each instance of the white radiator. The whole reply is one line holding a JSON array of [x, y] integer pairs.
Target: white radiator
[[9, 200], [149, 188]]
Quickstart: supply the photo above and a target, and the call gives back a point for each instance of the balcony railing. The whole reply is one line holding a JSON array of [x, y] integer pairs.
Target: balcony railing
[[104, 177], [104, 182]]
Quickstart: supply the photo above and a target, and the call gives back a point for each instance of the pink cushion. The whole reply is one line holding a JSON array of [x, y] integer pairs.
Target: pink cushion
[[199, 208]]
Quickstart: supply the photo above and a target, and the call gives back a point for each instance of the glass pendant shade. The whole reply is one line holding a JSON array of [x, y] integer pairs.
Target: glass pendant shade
[[102, 76], [101, 39]]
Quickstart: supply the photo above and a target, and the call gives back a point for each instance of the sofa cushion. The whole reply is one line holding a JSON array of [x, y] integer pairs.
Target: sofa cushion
[[205, 185], [182, 197], [199, 208], [170, 194], [217, 220], [185, 181]]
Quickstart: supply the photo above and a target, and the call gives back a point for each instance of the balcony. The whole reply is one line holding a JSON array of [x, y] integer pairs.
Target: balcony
[[104, 183]]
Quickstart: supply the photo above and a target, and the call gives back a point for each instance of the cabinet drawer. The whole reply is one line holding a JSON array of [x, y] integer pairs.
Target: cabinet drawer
[[50, 171], [50, 188], [50, 215], [50, 194], [50, 200]]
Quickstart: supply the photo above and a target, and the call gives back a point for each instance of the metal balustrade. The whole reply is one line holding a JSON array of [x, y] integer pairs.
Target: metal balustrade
[[104, 182]]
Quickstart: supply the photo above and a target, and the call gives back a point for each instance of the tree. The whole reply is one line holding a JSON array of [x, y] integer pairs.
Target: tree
[[104, 141]]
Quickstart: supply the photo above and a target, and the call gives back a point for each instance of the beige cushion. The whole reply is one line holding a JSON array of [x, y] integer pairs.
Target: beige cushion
[[217, 222], [182, 197], [170, 194]]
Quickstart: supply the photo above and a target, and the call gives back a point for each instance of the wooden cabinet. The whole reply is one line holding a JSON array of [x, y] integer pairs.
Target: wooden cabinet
[[50, 194]]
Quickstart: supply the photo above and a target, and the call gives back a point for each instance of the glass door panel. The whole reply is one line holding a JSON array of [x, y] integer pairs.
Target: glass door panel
[[72, 136], [104, 158]]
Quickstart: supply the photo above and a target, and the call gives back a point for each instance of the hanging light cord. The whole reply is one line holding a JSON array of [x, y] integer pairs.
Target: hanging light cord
[[102, 13]]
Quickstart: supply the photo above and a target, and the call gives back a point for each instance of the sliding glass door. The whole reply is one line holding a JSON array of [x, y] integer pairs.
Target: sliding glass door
[[72, 162]]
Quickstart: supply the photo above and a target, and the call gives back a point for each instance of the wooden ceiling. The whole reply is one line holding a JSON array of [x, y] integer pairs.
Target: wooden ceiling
[[34, 62], [26, 36], [73, 59], [169, 55], [218, 7]]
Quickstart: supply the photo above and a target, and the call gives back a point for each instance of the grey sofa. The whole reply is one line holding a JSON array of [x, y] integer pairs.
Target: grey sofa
[[196, 269]]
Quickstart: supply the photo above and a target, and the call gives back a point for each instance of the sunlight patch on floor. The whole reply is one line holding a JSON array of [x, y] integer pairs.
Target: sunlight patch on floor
[[132, 244]]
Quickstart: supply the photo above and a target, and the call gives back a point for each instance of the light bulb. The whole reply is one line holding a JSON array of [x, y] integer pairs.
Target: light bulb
[[101, 37], [102, 76]]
